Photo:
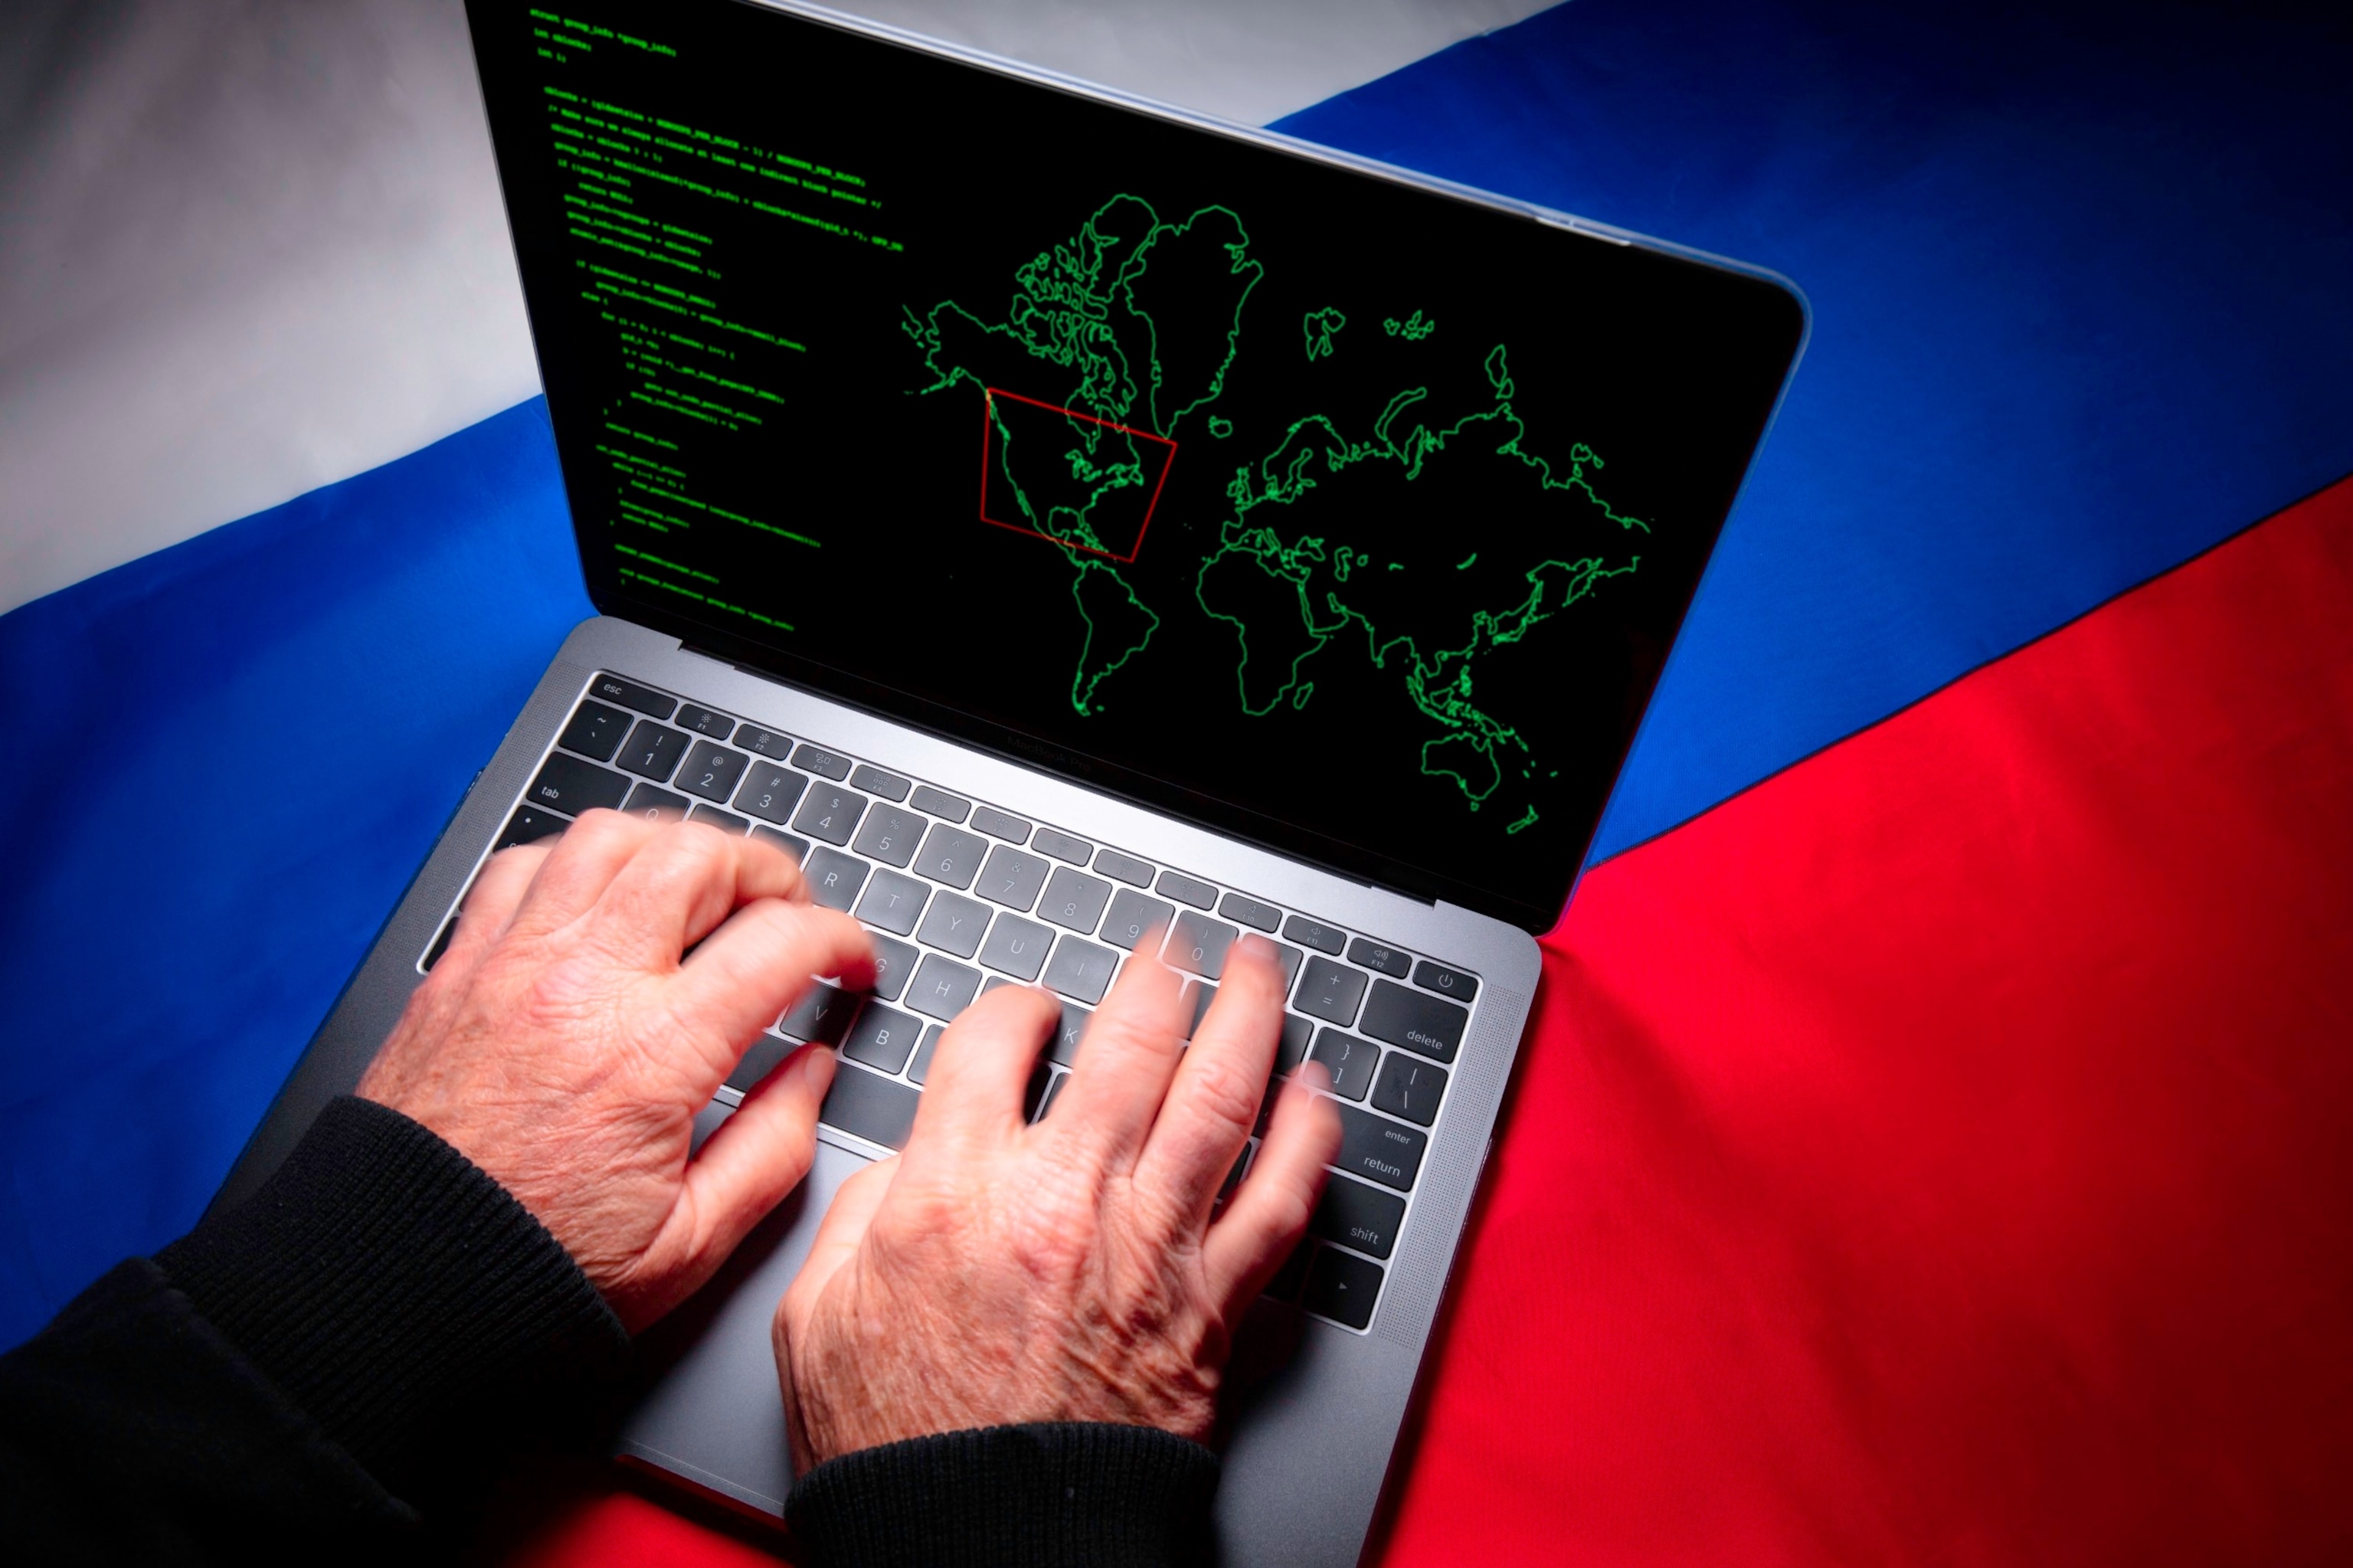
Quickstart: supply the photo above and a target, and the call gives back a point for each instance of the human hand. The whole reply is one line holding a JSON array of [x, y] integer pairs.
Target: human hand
[[997, 1273], [563, 1044]]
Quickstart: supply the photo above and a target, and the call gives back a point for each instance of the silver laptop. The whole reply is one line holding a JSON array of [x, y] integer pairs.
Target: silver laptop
[[1054, 518]]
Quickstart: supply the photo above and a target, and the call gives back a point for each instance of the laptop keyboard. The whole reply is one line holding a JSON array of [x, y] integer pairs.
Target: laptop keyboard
[[961, 897]]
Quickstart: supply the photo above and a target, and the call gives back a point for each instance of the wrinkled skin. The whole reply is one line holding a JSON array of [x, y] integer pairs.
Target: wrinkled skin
[[1072, 1270], [563, 1044]]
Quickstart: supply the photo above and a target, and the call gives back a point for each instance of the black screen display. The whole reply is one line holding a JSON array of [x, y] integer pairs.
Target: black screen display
[[1342, 514]]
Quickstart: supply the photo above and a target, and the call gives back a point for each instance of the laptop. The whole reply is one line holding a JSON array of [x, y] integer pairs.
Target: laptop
[[1056, 518]]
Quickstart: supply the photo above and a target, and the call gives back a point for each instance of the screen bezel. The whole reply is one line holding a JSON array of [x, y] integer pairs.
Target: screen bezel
[[1295, 839]]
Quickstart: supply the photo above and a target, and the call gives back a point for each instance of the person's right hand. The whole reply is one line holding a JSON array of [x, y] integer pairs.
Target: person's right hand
[[999, 1273]]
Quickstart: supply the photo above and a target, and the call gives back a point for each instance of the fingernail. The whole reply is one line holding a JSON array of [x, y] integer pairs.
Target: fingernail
[[1258, 946], [815, 1064]]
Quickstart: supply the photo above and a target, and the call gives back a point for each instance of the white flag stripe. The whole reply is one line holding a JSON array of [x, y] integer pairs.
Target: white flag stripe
[[247, 250]]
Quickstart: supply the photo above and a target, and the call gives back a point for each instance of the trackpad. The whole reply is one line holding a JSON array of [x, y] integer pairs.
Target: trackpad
[[712, 1412]]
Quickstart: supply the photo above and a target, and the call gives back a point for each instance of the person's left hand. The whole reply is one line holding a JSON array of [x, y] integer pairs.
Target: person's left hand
[[564, 1042]]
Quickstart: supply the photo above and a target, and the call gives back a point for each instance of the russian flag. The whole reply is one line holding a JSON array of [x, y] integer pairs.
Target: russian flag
[[1934, 1140]]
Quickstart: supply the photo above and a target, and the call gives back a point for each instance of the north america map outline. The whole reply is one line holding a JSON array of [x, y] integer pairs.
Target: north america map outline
[[1086, 307]]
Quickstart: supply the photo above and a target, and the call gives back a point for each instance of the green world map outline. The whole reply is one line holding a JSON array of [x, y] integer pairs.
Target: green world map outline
[[1077, 306]]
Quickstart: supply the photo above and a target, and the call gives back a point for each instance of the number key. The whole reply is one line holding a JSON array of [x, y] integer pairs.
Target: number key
[[889, 834], [711, 771]]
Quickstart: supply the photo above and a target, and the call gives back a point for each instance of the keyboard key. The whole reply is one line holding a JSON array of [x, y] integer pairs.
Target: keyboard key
[[771, 792], [942, 989], [1234, 1177], [1385, 960], [1039, 1090], [1445, 982], [893, 962], [796, 848], [1378, 1149], [1291, 1049], [528, 826], [1360, 1216], [893, 902], [822, 1014], [1124, 868], [1081, 971], [1251, 912], [1289, 958], [1330, 992], [921, 1066], [1046, 1106], [830, 814], [1409, 1087], [882, 1037], [767, 742], [703, 721], [1062, 846], [954, 923], [1419, 1023], [710, 771], [652, 751], [866, 1104], [765, 1055], [1197, 945], [440, 944], [1132, 916], [1342, 1287], [1284, 1286], [817, 760], [1011, 878], [629, 694], [725, 821], [1315, 934], [950, 855], [889, 833], [1016, 947], [568, 784], [874, 781], [1349, 1060], [656, 805], [1199, 994], [1064, 1046], [1000, 824], [1184, 890], [940, 803], [594, 731], [1073, 899], [834, 878]]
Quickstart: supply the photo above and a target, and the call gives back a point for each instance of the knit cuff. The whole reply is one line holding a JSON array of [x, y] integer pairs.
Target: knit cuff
[[1037, 1495], [386, 1284]]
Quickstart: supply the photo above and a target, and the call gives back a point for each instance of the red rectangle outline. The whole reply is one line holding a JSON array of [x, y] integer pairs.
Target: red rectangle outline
[[988, 425]]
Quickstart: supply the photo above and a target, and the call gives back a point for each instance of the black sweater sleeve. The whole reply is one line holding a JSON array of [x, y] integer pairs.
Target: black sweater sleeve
[[277, 1376], [274, 1381], [1039, 1496]]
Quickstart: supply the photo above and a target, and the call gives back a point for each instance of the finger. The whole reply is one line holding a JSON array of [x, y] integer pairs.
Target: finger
[[839, 1237], [583, 863], [1126, 1062], [1213, 1102], [491, 904], [680, 883], [757, 1156], [756, 965], [972, 1093], [1270, 1211]]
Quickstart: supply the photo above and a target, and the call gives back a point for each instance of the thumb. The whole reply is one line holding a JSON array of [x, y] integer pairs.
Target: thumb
[[839, 1237], [757, 1156]]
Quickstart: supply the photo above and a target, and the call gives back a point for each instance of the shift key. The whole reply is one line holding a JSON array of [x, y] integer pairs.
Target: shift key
[[1378, 1149]]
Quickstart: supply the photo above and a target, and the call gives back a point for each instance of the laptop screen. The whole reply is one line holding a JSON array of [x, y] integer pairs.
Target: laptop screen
[[1337, 512]]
